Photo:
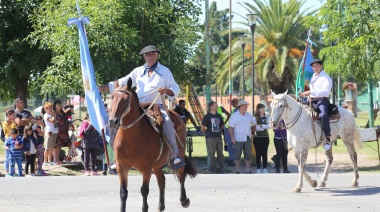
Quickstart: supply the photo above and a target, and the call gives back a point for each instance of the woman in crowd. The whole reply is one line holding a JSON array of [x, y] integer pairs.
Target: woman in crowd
[[7, 126], [281, 145], [261, 140], [63, 139], [39, 132], [90, 144]]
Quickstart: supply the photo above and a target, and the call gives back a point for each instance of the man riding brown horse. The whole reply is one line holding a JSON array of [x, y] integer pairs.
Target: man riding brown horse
[[149, 79]]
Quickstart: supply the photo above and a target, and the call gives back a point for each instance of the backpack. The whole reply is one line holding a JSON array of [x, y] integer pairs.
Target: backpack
[[2, 134]]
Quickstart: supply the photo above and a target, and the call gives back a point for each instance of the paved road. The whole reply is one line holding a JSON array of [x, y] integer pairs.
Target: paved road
[[208, 193]]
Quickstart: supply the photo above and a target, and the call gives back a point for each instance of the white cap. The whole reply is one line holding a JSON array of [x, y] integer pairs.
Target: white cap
[[242, 102]]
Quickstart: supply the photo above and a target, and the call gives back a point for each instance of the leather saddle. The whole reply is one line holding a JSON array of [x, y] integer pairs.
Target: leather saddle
[[156, 119], [333, 113]]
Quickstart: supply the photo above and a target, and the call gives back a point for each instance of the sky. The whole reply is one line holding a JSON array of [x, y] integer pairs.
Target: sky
[[237, 8]]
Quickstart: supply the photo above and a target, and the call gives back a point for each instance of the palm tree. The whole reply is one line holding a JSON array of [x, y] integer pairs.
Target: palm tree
[[278, 55], [222, 66]]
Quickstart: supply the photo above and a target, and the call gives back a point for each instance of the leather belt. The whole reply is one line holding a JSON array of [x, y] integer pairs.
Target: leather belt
[[320, 98]]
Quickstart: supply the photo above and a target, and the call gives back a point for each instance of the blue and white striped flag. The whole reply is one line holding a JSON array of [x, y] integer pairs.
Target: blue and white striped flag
[[95, 106]]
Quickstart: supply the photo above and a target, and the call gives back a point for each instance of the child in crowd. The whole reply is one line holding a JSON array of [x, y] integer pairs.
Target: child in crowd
[[51, 132], [15, 146], [7, 127], [30, 149], [38, 130]]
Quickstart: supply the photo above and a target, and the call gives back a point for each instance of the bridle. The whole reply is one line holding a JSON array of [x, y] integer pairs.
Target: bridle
[[128, 108], [293, 122]]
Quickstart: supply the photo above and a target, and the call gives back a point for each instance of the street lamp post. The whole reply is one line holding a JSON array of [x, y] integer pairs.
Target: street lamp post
[[215, 49], [252, 24], [207, 44], [242, 41]]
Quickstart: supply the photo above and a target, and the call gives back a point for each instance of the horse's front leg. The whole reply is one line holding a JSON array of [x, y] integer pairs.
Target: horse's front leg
[[161, 185], [301, 159], [300, 172], [329, 160], [354, 158], [145, 189], [123, 178]]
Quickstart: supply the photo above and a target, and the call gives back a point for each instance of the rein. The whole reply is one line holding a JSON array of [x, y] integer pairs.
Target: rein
[[140, 117], [148, 94]]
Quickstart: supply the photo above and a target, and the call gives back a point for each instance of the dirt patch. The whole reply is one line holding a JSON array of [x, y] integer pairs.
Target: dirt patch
[[315, 163]]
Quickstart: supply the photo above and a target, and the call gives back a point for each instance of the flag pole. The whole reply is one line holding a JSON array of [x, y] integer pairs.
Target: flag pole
[[306, 49], [80, 15], [105, 147]]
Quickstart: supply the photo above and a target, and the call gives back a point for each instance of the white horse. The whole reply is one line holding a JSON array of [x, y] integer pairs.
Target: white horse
[[303, 134]]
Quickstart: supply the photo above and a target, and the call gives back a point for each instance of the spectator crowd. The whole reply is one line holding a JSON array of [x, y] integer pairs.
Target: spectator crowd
[[39, 139], [243, 134]]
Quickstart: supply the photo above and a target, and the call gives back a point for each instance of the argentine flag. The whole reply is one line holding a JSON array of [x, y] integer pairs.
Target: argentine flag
[[95, 106], [305, 72]]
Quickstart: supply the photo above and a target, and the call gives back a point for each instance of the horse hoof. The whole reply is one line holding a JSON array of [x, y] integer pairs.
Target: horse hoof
[[185, 203], [314, 183], [354, 184], [322, 184], [297, 190]]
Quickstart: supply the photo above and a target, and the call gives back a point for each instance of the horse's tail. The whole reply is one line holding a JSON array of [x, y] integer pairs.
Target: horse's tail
[[358, 139], [190, 168]]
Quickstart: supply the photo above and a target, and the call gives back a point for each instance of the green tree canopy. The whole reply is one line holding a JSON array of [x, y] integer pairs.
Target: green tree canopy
[[20, 61], [219, 36], [117, 32], [354, 27]]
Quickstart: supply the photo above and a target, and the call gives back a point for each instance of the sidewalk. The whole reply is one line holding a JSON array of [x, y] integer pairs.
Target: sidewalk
[[66, 169]]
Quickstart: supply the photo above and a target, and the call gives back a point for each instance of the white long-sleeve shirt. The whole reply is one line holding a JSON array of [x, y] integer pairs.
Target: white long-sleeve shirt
[[161, 77], [242, 125], [320, 86], [262, 127]]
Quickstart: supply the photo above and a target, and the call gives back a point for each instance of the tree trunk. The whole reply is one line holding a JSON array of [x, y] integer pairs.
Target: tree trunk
[[22, 89], [280, 85]]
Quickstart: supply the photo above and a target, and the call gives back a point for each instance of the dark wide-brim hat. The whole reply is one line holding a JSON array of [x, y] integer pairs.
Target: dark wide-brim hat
[[149, 48], [316, 61]]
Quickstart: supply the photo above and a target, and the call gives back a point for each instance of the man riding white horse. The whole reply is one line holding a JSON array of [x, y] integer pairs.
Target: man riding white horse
[[320, 88]]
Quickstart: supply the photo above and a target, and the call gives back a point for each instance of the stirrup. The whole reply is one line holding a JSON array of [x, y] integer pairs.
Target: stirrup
[[178, 165], [327, 145], [177, 160]]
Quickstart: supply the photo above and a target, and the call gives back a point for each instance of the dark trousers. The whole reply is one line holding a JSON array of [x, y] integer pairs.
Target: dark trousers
[[323, 105], [281, 153], [87, 154], [30, 159], [261, 146]]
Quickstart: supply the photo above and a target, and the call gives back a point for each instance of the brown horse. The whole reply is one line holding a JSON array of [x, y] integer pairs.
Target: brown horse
[[138, 145]]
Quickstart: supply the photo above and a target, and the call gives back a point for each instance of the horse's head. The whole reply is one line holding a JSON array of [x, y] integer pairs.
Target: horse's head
[[278, 106], [120, 104]]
